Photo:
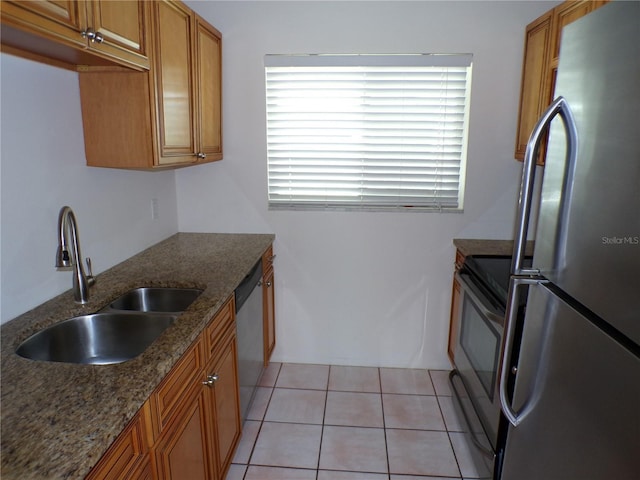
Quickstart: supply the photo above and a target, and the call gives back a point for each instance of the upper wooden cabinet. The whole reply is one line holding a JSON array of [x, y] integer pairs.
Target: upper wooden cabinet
[[166, 118], [77, 34], [541, 53]]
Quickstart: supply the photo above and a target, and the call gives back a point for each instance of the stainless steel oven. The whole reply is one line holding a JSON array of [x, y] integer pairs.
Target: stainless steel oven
[[483, 292]]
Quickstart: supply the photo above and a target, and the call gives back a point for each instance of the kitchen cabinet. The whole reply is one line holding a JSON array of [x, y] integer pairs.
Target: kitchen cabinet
[[77, 34], [128, 456], [168, 117], [222, 389], [541, 55], [454, 318], [268, 302], [178, 417], [196, 409]]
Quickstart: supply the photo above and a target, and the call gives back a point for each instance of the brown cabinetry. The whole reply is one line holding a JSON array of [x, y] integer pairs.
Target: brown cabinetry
[[190, 426], [268, 299], [168, 117], [541, 54], [127, 457], [178, 417], [454, 320], [223, 399], [75, 34]]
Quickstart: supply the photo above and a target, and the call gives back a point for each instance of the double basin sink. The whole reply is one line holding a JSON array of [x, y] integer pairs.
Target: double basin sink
[[119, 332]]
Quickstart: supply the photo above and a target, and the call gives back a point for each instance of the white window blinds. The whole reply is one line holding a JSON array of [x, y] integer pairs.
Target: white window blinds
[[367, 131]]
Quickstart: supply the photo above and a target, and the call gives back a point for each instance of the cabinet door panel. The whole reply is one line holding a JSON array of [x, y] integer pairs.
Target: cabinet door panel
[[122, 26], [269, 316], [60, 20], [174, 83], [182, 451], [225, 403], [208, 50], [535, 89]]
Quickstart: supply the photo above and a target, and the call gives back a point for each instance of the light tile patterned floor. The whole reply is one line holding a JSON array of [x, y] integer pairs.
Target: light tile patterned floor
[[320, 422]]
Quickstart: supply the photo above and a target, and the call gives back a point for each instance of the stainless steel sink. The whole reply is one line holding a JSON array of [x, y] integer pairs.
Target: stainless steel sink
[[156, 299], [100, 339]]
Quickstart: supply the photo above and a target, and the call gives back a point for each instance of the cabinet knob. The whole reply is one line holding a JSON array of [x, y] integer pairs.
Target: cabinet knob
[[269, 284], [211, 380], [201, 155], [91, 34]]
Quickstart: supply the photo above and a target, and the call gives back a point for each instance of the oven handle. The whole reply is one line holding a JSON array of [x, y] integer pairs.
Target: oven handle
[[484, 450], [507, 346], [494, 317]]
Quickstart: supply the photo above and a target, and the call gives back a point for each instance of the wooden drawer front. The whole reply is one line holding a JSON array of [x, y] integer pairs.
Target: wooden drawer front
[[267, 260], [178, 387], [127, 457], [221, 323]]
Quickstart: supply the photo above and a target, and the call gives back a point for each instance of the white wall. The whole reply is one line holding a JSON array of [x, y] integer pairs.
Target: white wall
[[362, 288], [43, 168]]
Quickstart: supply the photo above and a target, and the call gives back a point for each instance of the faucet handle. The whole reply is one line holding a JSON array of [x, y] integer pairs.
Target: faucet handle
[[90, 278]]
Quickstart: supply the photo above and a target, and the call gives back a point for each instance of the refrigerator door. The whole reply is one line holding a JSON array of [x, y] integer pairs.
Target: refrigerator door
[[588, 233], [577, 392]]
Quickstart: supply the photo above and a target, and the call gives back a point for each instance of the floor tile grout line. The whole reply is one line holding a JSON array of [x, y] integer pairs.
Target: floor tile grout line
[[327, 390], [255, 442]]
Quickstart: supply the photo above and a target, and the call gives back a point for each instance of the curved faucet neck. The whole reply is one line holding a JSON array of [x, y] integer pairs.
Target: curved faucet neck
[[67, 225]]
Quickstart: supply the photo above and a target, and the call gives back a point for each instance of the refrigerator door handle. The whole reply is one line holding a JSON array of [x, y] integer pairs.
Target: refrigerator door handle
[[507, 345], [559, 106]]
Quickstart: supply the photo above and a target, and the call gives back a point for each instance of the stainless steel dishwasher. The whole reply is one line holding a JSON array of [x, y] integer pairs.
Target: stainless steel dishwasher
[[249, 325]]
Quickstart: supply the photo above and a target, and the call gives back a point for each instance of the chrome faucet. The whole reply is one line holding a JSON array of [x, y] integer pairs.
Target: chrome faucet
[[67, 225]]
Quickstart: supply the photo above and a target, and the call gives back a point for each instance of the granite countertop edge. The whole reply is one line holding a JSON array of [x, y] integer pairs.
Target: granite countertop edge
[[58, 419], [479, 246]]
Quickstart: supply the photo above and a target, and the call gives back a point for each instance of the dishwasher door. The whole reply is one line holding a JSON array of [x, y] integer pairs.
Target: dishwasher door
[[249, 328]]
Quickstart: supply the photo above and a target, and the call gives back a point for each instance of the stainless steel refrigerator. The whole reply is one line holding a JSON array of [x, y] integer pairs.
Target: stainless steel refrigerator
[[575, 409]]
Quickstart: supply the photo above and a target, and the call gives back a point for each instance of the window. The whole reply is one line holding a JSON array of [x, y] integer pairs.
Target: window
[[367, 131]]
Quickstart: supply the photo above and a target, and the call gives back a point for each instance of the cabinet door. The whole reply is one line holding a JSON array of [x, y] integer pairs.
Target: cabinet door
[[62, 21], [182, 451], [564, 14], [535, 89], [454, 321], [269, 315], [128, 456], [224, 401], [174, 83], [122, 26], [209, 99]]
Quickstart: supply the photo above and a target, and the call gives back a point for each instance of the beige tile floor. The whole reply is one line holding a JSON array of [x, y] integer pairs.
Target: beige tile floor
[[321, 422]]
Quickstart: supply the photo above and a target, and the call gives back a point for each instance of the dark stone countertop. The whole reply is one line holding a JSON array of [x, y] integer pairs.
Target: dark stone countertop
[[471, 246], [58, 419]]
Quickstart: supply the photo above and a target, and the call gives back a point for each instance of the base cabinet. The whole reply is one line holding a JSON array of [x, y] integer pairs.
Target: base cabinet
[[128, 456], [268, 302], [223, 399], [454, 319], [190, 426], [182, 450]]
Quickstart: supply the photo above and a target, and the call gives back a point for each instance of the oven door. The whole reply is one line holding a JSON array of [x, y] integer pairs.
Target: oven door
[[476, 359]]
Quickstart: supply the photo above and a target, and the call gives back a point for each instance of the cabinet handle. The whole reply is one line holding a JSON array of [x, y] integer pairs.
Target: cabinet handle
[[211, 380], [92, 35], [89, 33], [269, 284], [201, 155]]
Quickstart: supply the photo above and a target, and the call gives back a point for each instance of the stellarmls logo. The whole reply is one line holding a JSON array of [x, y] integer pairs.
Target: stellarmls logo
[[629, 240]]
